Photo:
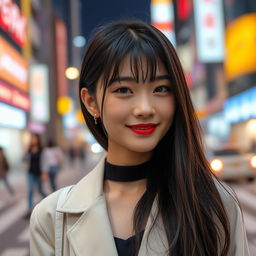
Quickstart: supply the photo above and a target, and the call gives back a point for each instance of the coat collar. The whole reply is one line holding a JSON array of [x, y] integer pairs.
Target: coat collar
[[84, 194], [91, 234]]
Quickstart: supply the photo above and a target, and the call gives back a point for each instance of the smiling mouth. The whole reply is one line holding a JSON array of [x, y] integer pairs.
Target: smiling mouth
[[143, 129]]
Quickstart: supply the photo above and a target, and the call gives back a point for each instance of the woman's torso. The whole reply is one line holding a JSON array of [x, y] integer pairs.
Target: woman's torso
[[87, 230], [35, 162]]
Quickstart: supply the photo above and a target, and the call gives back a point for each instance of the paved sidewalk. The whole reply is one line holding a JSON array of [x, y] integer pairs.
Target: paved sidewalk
[[14, 229]]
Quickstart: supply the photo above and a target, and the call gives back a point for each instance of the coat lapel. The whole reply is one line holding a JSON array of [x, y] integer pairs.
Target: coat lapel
[[92, 234], [154, 242], [89, 232]]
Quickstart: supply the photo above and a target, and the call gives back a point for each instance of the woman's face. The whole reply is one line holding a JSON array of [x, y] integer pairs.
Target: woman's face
[[136, 116], [34, 140]]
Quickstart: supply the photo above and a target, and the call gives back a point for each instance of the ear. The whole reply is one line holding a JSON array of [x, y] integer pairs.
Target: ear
[[90, 103]]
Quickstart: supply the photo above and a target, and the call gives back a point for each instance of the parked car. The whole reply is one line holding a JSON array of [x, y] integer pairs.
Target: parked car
[[232, 164]]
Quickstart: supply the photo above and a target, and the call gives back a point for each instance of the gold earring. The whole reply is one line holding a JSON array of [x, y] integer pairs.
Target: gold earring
[[95, 119]]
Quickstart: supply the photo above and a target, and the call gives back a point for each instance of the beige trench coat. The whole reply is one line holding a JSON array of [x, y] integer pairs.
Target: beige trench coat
[[87, 230]]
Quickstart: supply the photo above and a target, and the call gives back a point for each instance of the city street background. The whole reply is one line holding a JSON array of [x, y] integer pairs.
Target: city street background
[[42, 43]]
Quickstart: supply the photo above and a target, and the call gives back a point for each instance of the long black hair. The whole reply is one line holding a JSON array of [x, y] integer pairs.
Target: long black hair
[[188, 202]]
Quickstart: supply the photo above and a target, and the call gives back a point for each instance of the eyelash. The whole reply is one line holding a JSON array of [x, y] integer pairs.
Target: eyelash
[[118, 90], [125, 90], [167, 88]]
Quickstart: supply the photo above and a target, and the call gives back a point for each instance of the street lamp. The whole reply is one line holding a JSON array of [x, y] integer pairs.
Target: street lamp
[[72, 73]]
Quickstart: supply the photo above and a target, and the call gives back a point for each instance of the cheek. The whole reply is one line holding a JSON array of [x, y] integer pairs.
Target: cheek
[[167, 108], [113, 111]]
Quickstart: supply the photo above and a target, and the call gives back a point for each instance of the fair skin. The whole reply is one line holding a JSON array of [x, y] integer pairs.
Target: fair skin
[[130, 103]]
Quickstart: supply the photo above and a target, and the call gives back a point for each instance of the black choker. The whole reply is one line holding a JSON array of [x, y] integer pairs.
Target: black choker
[[127, 172]]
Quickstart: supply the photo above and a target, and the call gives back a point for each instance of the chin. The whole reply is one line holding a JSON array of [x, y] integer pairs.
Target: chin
[[143, 148]]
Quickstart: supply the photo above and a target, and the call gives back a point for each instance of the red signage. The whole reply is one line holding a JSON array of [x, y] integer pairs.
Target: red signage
[[61, 57], [12, 21], [14, 97]]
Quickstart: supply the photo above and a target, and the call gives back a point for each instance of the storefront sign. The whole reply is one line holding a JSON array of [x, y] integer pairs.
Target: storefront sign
[[36, 127], [209, 26], [13, 67], [241, 107], [61, 57], [12, 117], [162, 17], [12, 21], [14, 97], [39, 93]]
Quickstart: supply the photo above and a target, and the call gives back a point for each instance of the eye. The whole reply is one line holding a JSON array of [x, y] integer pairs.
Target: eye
[[162, 89], [123, 90]]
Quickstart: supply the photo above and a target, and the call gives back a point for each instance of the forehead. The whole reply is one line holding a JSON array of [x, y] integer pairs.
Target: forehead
[[141, 67]]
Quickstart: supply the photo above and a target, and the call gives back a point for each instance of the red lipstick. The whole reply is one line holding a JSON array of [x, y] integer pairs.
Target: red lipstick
[[143, 129]]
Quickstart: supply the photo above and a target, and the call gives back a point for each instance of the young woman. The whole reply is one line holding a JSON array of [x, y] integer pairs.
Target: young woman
[[153, 193], [33, 157], [4, 169], [52, 160]]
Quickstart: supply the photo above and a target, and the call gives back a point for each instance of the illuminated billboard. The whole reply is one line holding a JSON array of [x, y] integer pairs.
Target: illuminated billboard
[[241, 45], [162, 17], [209, 25], [39, 93], [12, 117], [13, 66], [13, 21], [241, 107], [14, 97]]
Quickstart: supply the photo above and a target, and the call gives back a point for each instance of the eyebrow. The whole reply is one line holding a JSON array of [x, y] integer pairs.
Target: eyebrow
[[130, 78]]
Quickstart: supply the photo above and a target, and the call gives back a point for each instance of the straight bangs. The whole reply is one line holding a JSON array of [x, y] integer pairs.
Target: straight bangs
[[144, 56]]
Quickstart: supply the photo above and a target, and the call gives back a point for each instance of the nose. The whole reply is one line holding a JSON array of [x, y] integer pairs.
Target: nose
[[144, 107]]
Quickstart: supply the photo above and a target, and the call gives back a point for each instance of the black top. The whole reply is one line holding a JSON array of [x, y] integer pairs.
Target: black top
[[126, 247], [34, 162]]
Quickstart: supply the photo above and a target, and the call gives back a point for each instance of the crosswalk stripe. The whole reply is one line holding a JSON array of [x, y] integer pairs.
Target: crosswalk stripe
[[247, 199], [252, 248], [15, 252], [24, 236], [2, 205], [249, 222], [12, 215]]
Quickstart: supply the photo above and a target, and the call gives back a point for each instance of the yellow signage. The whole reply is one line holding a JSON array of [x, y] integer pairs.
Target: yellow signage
[[64, 105], [240, 47]]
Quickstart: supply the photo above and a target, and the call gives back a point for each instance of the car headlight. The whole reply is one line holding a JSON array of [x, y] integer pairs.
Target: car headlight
[[216, 165], [253, 162]]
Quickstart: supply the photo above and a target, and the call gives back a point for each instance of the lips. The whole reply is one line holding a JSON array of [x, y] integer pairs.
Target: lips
[[143, 129]]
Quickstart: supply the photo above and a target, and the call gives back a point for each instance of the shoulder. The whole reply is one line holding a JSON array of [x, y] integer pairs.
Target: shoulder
[[232, 207], [44, 212], [227, 195]]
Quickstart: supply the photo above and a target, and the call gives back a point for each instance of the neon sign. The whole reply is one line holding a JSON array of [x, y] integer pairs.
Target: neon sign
[[12, 21], [14, 97]]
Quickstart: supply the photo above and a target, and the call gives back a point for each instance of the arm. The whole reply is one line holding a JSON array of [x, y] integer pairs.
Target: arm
[[42, 227], [238, 239], [44, 161], [60, 156]]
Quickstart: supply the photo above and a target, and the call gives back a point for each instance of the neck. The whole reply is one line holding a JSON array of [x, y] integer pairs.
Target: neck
[[126, 157], [125, 188]]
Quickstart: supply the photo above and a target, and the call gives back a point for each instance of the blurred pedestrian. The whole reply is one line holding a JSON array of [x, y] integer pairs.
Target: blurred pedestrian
[[72, 154], [4, 168], [154, 192], [52, 161], [253, 146], [33, 158]]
